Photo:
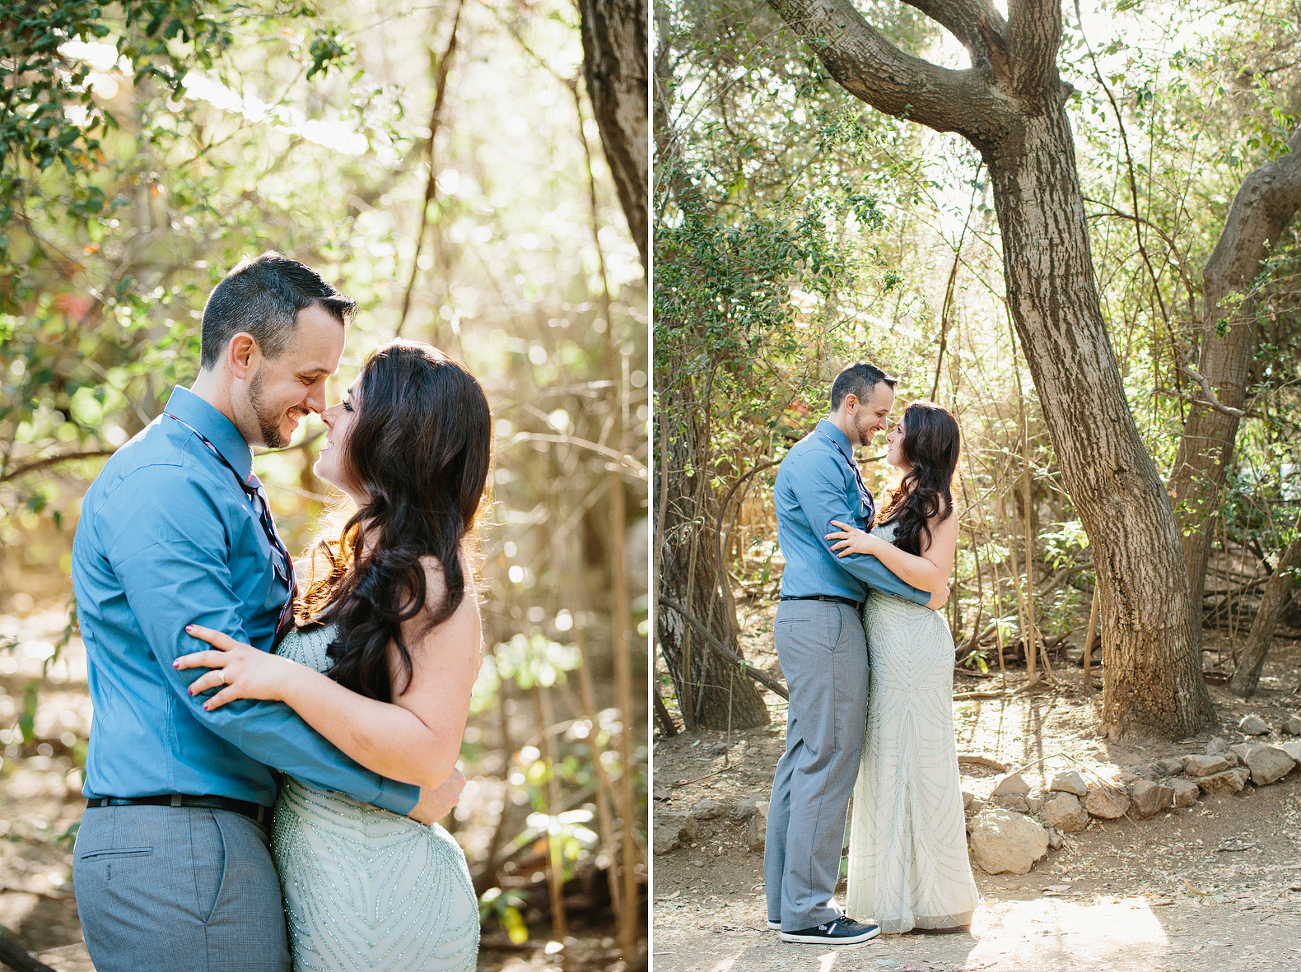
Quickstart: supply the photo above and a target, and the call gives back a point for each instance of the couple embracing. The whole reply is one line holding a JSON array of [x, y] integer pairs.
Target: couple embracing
[[267, 766], [859, 600]]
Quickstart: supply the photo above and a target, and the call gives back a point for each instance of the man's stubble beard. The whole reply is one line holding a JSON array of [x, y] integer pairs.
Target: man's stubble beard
[[268, 425], [865, 436]]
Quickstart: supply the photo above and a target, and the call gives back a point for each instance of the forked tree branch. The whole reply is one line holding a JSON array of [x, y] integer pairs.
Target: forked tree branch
[[976, 24], [873, 70]]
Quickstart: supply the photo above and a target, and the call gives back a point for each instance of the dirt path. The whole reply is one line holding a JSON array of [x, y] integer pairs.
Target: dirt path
[[1207, 888]]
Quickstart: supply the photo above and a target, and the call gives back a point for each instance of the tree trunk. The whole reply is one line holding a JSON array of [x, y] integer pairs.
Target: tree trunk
[[1010, 106], [1149, 641], [1278, 592], [711, 693], [1265, 203], [614, 67]]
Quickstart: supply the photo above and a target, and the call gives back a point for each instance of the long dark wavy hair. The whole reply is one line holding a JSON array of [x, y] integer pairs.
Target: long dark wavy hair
[[931, 446], [419, 447]]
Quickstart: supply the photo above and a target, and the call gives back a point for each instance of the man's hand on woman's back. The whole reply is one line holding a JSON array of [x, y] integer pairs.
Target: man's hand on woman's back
[[437, 803]]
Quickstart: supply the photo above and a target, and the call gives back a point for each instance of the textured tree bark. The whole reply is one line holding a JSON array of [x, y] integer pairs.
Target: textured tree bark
[[1265, 203], [1278, 592], [615, 69], [711, 693], [1011, 106], [1149, 640]]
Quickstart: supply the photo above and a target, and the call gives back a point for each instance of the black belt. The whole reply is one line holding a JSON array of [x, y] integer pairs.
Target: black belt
[[254, 811], [856, 605]]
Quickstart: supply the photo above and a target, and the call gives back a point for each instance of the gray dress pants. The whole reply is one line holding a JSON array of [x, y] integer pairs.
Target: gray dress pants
[[178, 889], [823, 654]]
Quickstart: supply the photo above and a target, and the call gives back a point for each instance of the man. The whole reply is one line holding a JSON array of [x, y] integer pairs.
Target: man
[[823, 652], [172, 868]]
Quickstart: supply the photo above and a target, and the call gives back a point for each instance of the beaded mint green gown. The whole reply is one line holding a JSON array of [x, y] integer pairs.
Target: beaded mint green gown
[[366, 890], [908, 864]]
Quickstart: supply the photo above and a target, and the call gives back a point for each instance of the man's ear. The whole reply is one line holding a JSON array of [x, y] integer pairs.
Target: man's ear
[[849, 402], [242, 354]]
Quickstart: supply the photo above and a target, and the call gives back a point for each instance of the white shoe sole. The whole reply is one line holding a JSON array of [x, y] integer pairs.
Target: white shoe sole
[[774, 926], [830, 940]]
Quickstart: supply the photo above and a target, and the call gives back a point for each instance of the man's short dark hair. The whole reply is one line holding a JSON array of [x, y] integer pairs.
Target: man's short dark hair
[[859, 380], [262, 297]]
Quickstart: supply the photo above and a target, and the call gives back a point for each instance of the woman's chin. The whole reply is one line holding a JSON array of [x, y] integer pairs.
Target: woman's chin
[[323, 472]]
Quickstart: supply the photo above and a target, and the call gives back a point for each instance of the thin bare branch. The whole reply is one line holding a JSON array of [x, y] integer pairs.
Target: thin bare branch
[[431, 186], [702, 629], [624, 460], [1209, 392], [53, 461]]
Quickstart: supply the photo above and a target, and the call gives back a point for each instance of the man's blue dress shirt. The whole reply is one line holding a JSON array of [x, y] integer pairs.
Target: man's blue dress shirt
[[168, 538], [817, 483]]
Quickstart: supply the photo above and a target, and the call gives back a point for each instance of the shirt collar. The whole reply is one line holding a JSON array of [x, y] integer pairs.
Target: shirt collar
[[839, 438], [219, 430]]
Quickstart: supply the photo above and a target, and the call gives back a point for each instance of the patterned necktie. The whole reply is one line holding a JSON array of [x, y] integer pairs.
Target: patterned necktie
[[257, 497]]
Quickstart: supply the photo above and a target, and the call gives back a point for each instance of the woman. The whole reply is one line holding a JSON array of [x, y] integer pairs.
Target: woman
[[382, 663], [908, 864]]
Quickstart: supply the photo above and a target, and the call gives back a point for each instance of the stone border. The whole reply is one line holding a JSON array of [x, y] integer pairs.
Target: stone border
[[1006, 830], [1015, 827]]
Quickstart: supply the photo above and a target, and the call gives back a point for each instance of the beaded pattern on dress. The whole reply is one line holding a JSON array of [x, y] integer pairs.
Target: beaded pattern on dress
[[908, 861], [366, 890]]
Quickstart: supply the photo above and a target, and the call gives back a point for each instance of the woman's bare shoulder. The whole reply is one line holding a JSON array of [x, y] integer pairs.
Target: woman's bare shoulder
[[436, 582]]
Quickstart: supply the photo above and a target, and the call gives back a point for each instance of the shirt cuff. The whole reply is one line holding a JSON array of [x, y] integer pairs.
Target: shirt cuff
[[400, 798]]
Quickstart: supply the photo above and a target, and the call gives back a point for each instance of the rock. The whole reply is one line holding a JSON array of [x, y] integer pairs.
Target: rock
[[967, 800], [1055, 840], [1107, 803], [1010, 802], [671, 829], [1171, 765], [743, 809], [1253, 725], [1033, 803], [660, 792], [1145, 771], [1240, 750], [1186, 792], [1206, 765], [1267, 764], [1071, 782], [1151, 798], [708, 809], [1293, 726], [1230, 781], [1216, 745], [1293, 749], [1013, 784], [1003, 842], [1065, 813], [759, 825]]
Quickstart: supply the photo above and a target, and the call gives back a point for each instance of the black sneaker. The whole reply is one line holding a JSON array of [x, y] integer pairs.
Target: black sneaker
[[841, 931], [775, 924]]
